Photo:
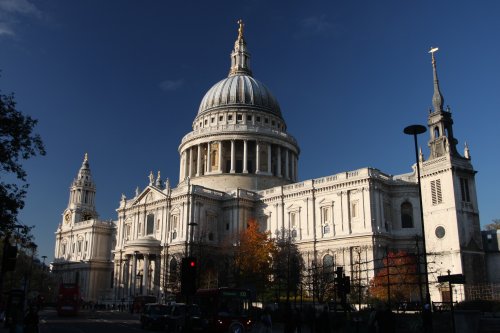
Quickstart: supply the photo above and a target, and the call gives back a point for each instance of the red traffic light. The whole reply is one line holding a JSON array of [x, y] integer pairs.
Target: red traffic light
[[192, 263]]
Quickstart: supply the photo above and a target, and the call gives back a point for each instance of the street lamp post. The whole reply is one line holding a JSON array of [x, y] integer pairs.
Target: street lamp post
[[416, 130]]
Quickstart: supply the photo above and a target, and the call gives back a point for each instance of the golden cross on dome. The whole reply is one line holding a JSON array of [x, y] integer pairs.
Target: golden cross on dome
[[240, 29]]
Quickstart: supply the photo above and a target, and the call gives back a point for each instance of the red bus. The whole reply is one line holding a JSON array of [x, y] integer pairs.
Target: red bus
[[225, 309], [68, 300]]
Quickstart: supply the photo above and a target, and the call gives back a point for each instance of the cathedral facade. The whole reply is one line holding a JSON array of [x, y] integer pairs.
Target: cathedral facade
[[240, 163]]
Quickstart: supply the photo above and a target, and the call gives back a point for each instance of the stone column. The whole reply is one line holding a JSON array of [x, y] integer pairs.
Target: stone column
[[133, 274], [269, 170], [292, 165], [232, 157], [126, 269], [145, 275], [190, 168], [257, 157], [182, 166], [245, 156], [220, 157], [157, 274], [209, 163], [287, 171], [279, 162], [198, 162]]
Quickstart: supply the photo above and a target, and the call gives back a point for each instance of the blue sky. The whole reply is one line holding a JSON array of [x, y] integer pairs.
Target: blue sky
[[122, 80]]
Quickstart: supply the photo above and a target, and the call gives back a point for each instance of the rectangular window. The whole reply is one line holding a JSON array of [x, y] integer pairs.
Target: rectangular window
[[464, 187], [150, 224], [437, 196], [221, 118], [293, 220], [258, 119], [249, 118], [354, 209], [175, 219], [325, 214], [230, 117]]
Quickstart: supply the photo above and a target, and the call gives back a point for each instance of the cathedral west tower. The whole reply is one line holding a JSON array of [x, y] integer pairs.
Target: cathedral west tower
[[83, 242]]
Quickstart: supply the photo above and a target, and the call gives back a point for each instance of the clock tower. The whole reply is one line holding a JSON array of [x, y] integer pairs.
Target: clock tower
[[83, 241], [81, 205]]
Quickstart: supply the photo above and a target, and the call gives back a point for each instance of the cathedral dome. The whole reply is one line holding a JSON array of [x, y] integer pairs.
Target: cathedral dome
[[240, 90], [239, 137]]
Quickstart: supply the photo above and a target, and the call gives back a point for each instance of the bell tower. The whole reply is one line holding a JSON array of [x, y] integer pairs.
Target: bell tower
[[450, 206], [81, 205]]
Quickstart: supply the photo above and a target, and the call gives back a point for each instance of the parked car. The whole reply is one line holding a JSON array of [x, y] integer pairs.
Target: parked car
[[154, 315], [184, 318]]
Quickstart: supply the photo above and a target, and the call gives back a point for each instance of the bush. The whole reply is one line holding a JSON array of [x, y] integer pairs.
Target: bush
[[481, 305]]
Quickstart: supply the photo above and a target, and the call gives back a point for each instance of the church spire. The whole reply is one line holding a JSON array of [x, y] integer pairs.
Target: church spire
[[437, 98], [240, 58], [440, 122]]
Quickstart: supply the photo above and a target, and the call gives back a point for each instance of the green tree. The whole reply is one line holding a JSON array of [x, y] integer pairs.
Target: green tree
[[17, 143], [288, 265]]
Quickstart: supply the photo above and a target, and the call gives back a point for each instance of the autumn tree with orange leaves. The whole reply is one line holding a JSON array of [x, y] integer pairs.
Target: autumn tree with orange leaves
[[398, 277], [253, 261]]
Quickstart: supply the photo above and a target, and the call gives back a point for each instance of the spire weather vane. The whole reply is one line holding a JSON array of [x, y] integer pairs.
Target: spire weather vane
[[240, 29], [432, 51]]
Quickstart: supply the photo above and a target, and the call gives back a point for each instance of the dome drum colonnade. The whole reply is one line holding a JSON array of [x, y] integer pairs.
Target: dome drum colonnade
[[239, 131]]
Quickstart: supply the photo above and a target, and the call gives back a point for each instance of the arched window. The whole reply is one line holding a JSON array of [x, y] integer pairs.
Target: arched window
[[172, 270], [436, 132], [406, 215], [328, 268]]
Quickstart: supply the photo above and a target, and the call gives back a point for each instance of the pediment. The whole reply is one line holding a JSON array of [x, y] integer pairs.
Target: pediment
[[293, 207], [325, 202], [150, 194]]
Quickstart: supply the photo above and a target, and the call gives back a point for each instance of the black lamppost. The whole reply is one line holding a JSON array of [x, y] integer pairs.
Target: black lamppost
[[416, 130]]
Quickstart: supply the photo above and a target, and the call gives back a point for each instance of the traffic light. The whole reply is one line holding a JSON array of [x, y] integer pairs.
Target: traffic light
[[339, 275], [188, 276], [347, 285], [9, 258]]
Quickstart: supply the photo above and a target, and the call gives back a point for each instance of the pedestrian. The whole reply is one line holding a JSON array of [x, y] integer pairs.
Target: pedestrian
[[372, 321], [427, 318], [31, 321], [267, 322], [324, 321], [385, 320]]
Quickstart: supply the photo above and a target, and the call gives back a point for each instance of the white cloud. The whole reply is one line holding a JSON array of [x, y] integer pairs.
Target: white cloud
[[170, 85], [6, 30], [11, 12], [315, 25], [19, 7]]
